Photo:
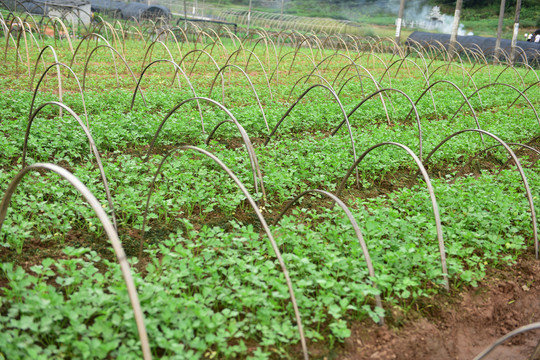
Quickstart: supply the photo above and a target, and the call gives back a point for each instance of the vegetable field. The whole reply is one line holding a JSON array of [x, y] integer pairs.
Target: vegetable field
[[188, 192]]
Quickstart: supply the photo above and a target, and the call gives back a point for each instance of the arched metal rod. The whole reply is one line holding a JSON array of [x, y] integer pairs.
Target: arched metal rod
[[214, 130], [3, 23], [340, 41], [415, 51], [444, 51], [520, 52], [120, 56], [35, 28], [306, 40], [282, 37], [373, 57], [148, 27], [233, 37], [250, 84], [110, 230], [90, 140], [4, 28], [138, 31], [346, 68], [326, 83], [276, 70], [121, 29], [37, 63], [406, 61], [434, 52], [345, 119], [515, 71], [465, 101], [166, 32], [397, 50], [351, 63], [503, 52], [30, 26], [354, 42], [57, 65], [97, 25], [217, 40], [197, 60], [17, 45], [478, 50], [356, 66], [177, 68], [425, 175], [28, 29], [530, 69], [519, 168], [351, 78], [518, 331], [438, 51], [400, 62], [317, 41], [257, 175], [511, 87], [266, 39], [251, 53], [200, 35], [354, 225], [183, 33], [478, 70], [88, 37], [56, 20], [255, 208], [150, 49], [211, 52], [456, 52], [59, 77], [108, 27], [476, 57], [528, 147], [464, 71], [524, 91], [413, 108]]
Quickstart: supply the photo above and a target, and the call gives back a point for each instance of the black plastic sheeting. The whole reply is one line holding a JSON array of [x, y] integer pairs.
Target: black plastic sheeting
[[526, 51], [123, 10]]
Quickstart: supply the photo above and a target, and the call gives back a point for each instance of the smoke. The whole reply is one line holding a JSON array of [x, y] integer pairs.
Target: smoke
[[418, 14]]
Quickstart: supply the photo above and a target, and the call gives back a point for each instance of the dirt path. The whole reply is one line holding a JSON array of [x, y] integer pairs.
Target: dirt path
[[507, 299]]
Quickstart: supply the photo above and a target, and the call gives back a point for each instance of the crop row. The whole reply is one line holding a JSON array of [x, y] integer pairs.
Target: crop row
[[207, 281]]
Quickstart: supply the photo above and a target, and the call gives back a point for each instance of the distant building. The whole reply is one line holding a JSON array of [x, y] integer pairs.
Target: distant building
[[72, 11]]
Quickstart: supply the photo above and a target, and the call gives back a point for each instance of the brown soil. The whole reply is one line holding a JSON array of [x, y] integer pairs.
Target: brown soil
[[459, 326]]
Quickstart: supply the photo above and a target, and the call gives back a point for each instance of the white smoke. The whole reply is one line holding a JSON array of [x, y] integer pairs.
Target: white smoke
[[417, 15]]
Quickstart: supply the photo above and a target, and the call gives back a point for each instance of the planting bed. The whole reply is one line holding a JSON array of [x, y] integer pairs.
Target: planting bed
[[419, 251]]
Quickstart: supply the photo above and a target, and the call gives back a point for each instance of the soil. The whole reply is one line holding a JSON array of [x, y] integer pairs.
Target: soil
[[461, 325]]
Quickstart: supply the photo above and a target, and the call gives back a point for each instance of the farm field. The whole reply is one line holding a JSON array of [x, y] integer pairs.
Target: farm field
[[263, 196]]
